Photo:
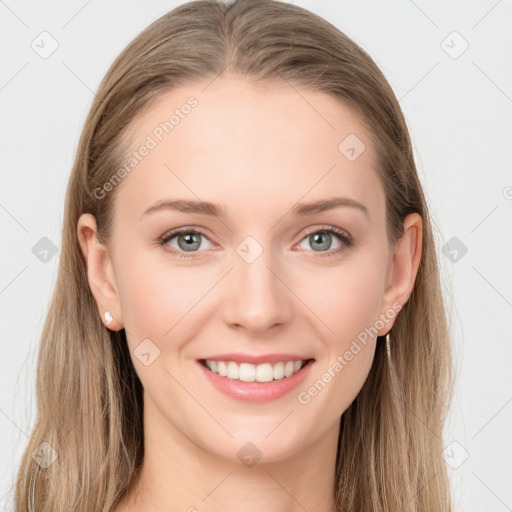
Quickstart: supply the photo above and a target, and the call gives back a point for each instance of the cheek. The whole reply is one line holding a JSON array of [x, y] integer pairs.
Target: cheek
[[157, 295], [349, 306], [345, 298], [141, 287]]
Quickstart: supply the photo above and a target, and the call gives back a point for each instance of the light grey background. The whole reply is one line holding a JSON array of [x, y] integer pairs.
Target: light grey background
[[458, 107]]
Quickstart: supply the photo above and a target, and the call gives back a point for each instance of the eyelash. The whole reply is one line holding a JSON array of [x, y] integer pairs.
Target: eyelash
[[341, 235], [346, 240]]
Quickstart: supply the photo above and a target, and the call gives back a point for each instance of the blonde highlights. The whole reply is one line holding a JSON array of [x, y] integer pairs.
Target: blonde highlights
[[89, 397]]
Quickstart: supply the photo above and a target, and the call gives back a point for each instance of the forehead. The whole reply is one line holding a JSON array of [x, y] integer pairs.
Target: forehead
[[248, 146]]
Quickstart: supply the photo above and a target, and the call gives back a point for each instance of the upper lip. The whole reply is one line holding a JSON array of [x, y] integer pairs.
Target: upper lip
[[247, 358]]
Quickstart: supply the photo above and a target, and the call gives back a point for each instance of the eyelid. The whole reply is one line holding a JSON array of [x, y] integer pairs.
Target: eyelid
[[163, 240], [309, 230], [185, 229], [344, 237], [328, 228]]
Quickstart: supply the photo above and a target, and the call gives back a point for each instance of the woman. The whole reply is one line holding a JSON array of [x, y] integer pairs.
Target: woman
[[248, 312]]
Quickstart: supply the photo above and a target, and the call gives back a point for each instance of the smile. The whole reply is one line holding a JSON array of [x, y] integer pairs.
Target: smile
[[247, 372], [263, 382]]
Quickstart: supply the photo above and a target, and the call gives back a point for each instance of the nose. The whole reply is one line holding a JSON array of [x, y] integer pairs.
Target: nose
[[257, 296]]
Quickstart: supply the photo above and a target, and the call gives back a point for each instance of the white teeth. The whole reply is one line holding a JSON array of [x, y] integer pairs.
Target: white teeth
[[232, 370], [247, 372], [289, 368], [264, 372], [222, 367], [279, 371]]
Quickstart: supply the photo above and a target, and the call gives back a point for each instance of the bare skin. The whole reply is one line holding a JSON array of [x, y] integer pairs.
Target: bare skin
[[257, 152]]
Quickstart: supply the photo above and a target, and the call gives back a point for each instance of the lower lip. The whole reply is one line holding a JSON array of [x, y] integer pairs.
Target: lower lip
[[257, 391]]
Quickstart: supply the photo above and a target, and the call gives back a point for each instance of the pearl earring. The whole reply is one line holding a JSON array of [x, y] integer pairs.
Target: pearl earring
[[108, 316]]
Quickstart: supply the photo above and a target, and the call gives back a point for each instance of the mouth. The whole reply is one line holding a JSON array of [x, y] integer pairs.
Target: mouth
[[257, 373], [264, 382]]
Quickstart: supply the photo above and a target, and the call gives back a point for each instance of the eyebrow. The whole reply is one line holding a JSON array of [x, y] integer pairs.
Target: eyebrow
[[214, 210]]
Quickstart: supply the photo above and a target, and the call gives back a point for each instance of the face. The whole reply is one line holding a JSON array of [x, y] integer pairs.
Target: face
[[260, 279]]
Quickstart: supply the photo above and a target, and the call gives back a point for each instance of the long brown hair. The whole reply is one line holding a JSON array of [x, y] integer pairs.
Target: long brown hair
[[89, 397]]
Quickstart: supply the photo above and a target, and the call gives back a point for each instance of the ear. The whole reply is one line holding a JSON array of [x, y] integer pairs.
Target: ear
[[404, 267], [99, 272]]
